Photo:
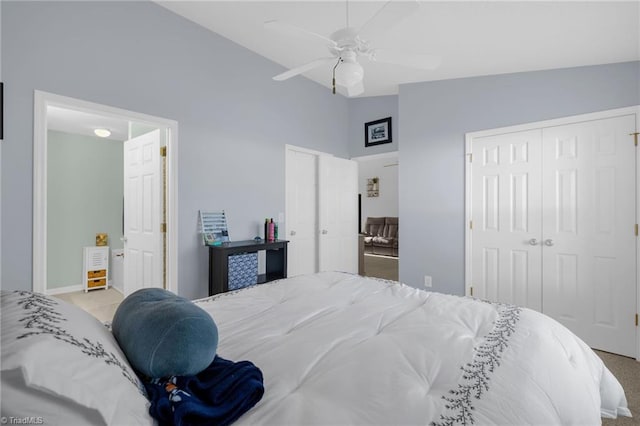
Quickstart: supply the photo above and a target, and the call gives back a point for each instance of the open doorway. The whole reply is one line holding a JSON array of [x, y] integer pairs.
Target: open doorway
[[65, 146], [379, 224]]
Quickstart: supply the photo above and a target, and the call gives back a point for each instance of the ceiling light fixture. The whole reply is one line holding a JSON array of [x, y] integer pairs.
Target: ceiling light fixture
[[349, 72], [103, 133]]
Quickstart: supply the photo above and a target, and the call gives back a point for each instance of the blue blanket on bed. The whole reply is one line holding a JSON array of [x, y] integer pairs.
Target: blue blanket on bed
[[219, 395]]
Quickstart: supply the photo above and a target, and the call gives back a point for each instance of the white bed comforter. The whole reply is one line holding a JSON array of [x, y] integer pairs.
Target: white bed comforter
[[342, 349]]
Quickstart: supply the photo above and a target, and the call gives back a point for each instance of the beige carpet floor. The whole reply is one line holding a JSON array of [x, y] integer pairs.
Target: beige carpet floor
[[101, 303], [627, 371]]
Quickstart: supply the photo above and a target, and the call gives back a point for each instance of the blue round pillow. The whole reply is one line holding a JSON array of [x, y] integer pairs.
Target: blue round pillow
[[163, 334]]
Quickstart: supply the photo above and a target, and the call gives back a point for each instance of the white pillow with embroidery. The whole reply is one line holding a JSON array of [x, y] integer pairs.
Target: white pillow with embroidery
[[60, 365]]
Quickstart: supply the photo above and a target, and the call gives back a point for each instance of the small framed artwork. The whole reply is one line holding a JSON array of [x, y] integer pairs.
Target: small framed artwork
[[372, 187], [102, 239], [377, 132]]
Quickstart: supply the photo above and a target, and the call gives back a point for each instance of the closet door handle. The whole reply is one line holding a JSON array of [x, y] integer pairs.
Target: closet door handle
[[533, 242], [549, 242], [325, 232], [293, 232]]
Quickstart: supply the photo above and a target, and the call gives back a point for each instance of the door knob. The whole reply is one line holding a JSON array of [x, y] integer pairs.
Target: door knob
[[548, 242], [324, 232], [292, 233], [124, 239], [533, 242]]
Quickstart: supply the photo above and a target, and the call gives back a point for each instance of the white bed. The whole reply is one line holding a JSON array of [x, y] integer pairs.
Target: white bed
[[334, 349], [342, 349]]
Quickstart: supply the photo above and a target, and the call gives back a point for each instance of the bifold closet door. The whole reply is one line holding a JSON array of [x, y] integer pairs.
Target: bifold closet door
[[506, 220], [589, 242], [321, 213], [302, 212], [553, 214]]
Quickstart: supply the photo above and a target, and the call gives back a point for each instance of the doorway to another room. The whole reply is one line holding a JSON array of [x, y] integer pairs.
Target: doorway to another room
[[93, 193], [379, 224]]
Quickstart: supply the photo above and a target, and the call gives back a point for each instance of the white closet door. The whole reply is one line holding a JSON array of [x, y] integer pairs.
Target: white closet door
[[506, 199], [589, 241], [338, 202], [302, 216]]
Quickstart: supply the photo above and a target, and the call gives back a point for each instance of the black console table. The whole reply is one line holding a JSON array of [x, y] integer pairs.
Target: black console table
[[276, 262]]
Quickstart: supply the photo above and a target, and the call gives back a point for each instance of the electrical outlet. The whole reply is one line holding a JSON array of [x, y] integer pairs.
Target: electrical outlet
[[427, 281]]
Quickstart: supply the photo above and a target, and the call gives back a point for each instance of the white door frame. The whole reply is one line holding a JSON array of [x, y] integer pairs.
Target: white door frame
[[306, 150], [535, 125], [42, 100], [637, 111], [392, 155]]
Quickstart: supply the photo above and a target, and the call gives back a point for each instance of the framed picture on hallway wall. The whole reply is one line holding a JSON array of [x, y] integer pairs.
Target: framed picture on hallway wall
[[377, 132]]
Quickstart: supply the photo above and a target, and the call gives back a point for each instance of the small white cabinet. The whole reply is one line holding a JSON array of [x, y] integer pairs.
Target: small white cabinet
[[95, 267]]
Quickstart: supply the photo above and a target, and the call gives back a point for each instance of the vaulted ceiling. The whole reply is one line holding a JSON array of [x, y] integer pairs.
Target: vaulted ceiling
[[471, 37]]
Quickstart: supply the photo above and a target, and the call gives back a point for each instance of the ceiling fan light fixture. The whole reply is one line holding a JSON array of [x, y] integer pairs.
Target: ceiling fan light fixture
[[349, 73], [348, 43], [102, 133]]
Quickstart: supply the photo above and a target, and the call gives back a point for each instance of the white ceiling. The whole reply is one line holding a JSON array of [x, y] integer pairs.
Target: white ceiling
[[83, 123], [472, 37]]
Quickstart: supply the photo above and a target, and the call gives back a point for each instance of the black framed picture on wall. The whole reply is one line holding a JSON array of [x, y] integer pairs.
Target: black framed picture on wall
[[377, 132]]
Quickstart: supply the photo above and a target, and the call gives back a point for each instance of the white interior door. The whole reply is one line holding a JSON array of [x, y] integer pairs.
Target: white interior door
[[302, 212], [589, 246], [338, 202], [506, 218], [143, 259]]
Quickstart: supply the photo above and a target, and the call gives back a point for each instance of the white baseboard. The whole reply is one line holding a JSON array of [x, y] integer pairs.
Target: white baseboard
[[384, 256], [67, 289], [118, 289], [74, 288]]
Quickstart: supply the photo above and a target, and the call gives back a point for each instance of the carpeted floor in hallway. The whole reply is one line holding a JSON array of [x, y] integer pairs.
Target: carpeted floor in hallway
[[381, 266]]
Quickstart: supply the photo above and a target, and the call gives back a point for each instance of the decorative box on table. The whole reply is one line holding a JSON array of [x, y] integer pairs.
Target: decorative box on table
[[243, 270]]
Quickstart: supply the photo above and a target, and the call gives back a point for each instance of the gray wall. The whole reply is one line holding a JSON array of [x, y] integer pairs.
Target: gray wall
[[364, 110], [233, 119], [85, 180], [434, 116]]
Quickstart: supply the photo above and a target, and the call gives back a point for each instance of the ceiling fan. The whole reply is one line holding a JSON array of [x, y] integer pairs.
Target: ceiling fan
[[348, 44]]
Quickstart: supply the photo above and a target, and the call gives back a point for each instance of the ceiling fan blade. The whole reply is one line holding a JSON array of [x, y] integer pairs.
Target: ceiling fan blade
[[295, 31], [302, 68], [413, 60], [389, 15]]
